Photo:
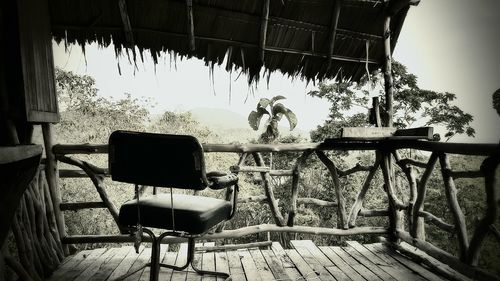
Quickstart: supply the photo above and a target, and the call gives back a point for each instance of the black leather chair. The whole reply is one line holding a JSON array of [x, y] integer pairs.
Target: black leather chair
[[174, 161]]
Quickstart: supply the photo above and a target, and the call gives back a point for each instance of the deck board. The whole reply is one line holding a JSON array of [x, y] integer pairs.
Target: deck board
[[395, 271], [305, 261]]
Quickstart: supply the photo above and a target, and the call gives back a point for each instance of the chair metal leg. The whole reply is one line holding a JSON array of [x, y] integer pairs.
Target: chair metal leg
[[155, 260]]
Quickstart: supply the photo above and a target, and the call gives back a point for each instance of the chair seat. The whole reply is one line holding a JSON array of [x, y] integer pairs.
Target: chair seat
[[193, 214]]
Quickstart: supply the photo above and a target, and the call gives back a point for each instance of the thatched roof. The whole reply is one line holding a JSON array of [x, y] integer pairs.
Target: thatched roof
[[292, 36]]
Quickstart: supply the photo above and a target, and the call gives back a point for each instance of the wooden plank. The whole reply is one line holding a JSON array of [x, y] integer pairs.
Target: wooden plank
[[334, 270], [319, 268], [235, 266], [147, 271], [368, 264], [112, 263], [180, 261], [421, 132], [208, 262], [276, 266], [141, 260], [69, 264], [305, 270], [264, 270], [392, 269], [221, 264], [360, 132], [346, 268], [125, 264], [77, 269], [166, 273], [383, 252], [361, 269], [249, 266], [281, 255], [437, 267], [95, 266], [197, 261]]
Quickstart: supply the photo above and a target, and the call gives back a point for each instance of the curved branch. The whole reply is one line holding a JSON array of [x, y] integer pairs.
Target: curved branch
[[273, 204], [489, 167], [358, 204], [98, 181], [342, 216], [355, 169], [295, 185], [439, 222]]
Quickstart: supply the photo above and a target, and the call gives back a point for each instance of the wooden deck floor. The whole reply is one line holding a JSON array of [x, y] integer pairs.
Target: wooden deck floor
[[305, 262]]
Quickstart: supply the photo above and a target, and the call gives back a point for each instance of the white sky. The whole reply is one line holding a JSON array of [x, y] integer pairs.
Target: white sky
[[451, 45]]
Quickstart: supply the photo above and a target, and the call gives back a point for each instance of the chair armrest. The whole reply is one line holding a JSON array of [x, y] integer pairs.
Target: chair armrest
[[220, 180]]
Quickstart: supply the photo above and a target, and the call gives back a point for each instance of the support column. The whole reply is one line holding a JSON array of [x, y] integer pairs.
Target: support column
[[388, 79], [52, 174]]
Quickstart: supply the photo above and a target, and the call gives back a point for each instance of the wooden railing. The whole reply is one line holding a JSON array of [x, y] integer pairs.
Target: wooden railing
[[407, 220]]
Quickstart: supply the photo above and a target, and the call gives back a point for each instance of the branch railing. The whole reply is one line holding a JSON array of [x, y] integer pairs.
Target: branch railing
[[407, 220]]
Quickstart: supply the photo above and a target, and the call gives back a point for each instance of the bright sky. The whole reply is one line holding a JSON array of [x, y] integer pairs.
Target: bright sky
[[451, 45]]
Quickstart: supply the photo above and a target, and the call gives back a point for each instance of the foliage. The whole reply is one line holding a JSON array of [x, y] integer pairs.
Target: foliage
[[276, 112], [412, 106], [87, 117], [496, 101]]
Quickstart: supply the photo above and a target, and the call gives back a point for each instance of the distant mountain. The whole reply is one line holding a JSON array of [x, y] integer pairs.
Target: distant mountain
[[220, 118]]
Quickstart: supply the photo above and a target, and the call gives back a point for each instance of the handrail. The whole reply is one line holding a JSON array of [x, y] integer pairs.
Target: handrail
[[480, 149], [387, 159]]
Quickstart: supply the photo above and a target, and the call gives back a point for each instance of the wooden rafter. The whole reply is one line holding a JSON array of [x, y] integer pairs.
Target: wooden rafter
[[333, 30], [225, 41], [127, 27], [397, 5], [263, 29], [190, 24]]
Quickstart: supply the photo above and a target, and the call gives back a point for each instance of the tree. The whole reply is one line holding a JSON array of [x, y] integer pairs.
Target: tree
[[412, 106], [276, 112], [87, 117]]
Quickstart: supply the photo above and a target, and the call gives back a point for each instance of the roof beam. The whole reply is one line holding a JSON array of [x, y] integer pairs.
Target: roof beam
[[127, 27], [263, 29], [224, 41], [190, 24], [397, 5], [333, 30]]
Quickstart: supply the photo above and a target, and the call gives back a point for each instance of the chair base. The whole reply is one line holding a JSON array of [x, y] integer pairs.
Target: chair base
[[155, 259]]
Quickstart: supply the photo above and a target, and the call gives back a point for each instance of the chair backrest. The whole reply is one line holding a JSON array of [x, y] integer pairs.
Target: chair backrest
[[157, 160]]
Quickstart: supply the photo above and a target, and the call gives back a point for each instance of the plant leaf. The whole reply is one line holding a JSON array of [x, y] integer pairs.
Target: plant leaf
[[255, 116], [263, 103], [276, 98], [292, 119], [278, 108]]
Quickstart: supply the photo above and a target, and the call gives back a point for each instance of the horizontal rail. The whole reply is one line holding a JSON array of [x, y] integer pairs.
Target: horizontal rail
[[234, 233], [75, 206], [481, 149]]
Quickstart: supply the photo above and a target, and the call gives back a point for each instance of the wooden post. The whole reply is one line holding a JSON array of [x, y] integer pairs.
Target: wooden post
[[333, 31], [418, 228], [295, 186], [376, 111], [341, 213], [458, 216], [263, 29], [273, 204], [395, 205], [388, 79], [358, 204], [190, 24], [485, 224], [52, 174]]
